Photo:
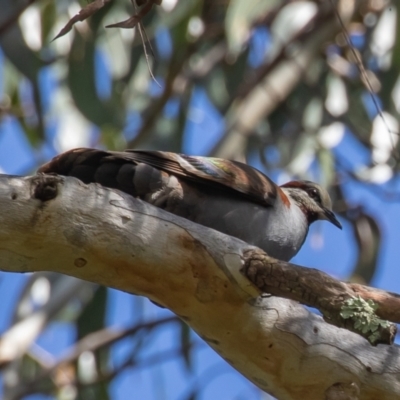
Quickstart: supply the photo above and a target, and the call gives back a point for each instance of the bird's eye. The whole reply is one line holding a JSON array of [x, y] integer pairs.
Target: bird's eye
[[314, 194]]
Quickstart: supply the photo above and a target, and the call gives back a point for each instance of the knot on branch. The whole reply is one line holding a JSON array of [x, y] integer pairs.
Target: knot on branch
[[45, 187], [273, 276], [343, 391]]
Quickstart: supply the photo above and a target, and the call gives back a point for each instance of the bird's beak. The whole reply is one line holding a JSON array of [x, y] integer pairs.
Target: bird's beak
[[330, 216]]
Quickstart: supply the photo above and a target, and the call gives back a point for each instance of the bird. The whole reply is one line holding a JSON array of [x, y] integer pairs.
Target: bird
[[228, 196]]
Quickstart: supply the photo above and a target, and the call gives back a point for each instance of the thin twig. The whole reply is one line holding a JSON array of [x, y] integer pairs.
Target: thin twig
[[145, 39], [146, 54]]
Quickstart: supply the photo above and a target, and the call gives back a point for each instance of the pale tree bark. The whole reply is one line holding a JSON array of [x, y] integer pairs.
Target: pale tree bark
[[107, 237]]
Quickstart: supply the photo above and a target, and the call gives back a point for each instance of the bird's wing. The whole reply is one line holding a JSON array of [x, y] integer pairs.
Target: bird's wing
[[90, 165], [232, 175]]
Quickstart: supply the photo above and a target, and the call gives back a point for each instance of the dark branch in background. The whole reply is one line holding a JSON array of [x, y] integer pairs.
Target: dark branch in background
[[130, 362], [265, 95], [360, 309], [9, 22], [184, 74], [93, 342], [301, 36], [178, 61]]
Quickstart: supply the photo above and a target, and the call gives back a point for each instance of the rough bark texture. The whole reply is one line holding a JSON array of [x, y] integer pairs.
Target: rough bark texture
[[103, 236], [316, 289]]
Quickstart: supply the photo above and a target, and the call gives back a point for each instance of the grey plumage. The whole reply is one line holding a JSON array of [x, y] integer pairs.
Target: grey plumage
[[228, 196]]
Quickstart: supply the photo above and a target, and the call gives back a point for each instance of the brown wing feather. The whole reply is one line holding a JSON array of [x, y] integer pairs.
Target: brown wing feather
[[231, 175], [216, 172]]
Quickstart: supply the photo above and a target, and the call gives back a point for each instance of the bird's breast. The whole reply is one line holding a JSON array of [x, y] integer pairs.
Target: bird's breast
[[279, 230]]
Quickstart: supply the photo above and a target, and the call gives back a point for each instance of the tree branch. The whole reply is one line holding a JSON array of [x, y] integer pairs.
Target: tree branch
[[104, 236], [314, 288], [13, 18]]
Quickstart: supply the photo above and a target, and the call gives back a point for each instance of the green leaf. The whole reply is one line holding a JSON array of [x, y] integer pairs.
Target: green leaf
[[185, 340], [81, 80], [368, 238]]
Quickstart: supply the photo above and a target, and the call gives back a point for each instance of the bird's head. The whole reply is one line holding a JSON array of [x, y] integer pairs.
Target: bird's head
[[313, 200]]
